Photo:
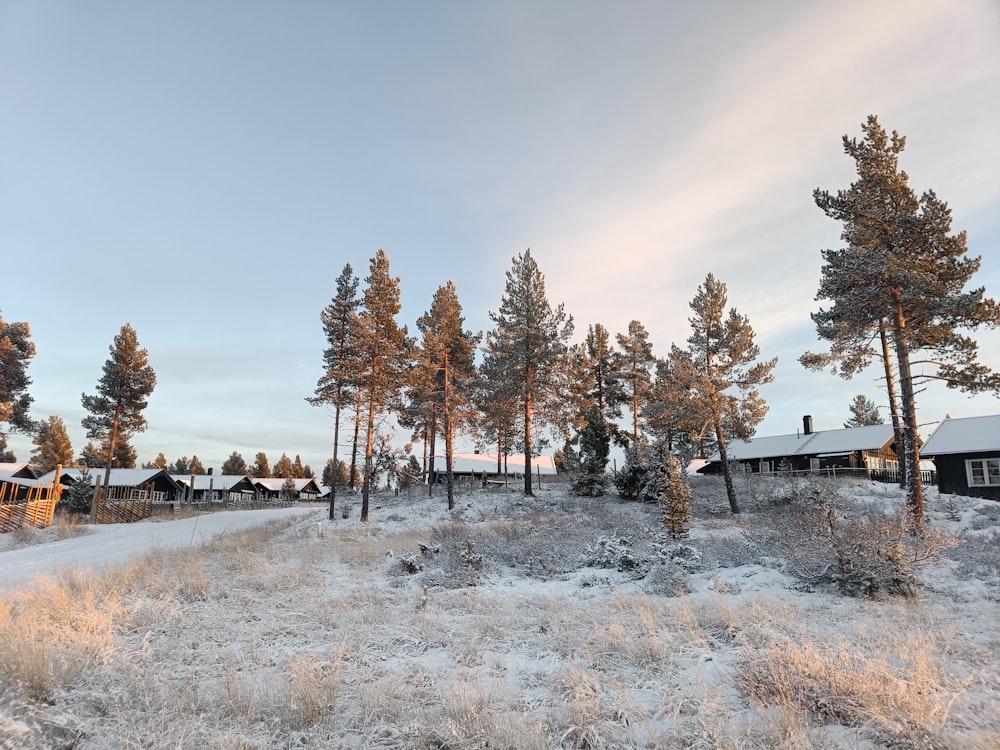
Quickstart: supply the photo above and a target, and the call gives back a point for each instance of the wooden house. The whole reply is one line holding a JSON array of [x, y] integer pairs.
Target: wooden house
[[273, 488], [217, 488], [128, 484], [966, 454], [868, 451], [486, 465], [16, 479]]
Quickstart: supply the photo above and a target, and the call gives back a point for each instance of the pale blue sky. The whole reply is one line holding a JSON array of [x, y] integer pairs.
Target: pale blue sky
[[203, 170]]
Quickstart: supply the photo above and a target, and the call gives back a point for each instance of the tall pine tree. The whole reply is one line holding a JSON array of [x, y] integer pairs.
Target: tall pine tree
[[387, 353], [336, 387], [115, 410], [904, 269], [52, 445], [635, 363], [446, 358], [16, 351], [719, 374], [529, 347]]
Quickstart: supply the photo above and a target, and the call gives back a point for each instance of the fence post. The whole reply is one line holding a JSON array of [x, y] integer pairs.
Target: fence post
[[96, 498]]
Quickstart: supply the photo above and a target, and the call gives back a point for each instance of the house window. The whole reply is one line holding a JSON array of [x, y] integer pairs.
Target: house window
[[983, 472]]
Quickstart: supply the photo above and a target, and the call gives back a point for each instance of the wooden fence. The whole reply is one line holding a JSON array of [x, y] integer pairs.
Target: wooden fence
[[36, 509], [123, 504]]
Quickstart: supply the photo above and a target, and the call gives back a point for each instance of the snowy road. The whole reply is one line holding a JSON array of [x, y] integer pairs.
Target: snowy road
[[116, 543]]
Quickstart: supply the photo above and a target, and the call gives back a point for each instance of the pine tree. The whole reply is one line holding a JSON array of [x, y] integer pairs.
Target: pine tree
[[903, 269], [80, 494], [261, 468], [16, 351], [675, 494], [334, 473], [529, 347], [635, 363], [497, 410], [670, 417], [283, 467], [595, 449], [446, 355], [234, 465], [96, 456], [717, 377], [387, 356], [52, 445], [6, 456], [863, 412], [115, 411], [341, 359], [181, 466], [91, 456]]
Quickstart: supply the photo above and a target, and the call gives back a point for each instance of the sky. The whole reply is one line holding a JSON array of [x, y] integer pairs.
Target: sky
[[203, 172]]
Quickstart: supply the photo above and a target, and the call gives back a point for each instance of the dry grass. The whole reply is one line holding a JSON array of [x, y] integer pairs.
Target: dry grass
[[283, 636], [896, 688]]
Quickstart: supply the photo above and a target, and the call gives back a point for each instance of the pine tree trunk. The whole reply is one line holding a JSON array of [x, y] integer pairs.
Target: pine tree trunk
[[726, 468], [336, 470], [353, 481], [527, 443], [112, 440], [448, 436], [433, 447], [366, 485], [911, 441], [890, 386]]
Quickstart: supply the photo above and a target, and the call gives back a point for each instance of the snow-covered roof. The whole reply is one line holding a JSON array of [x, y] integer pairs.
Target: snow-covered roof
[[274, 484], [22, 470], [964, 435], [825, 442], [118, 478], [465, 463], [210, 481]]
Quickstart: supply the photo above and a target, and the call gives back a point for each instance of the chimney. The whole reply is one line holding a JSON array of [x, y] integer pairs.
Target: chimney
[[807, 424], [210, 471]]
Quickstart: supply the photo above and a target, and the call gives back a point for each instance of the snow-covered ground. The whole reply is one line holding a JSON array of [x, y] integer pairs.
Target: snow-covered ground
[[511, 622], [26, 555]]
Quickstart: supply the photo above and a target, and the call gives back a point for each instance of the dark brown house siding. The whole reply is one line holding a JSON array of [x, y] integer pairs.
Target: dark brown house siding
[[953, 479]]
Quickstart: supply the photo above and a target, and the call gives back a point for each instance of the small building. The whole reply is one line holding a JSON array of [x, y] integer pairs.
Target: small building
[[966, 454], [487, 465], [235, 489], [16, 480], [869, 451], [306, 488], [17, 471], [127, 484]]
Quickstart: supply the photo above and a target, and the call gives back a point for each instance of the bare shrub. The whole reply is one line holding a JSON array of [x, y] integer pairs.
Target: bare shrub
[[69, 525], [862, 551]]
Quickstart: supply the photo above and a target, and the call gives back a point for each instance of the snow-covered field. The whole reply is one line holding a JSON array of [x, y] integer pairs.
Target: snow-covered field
[[512, 622]]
